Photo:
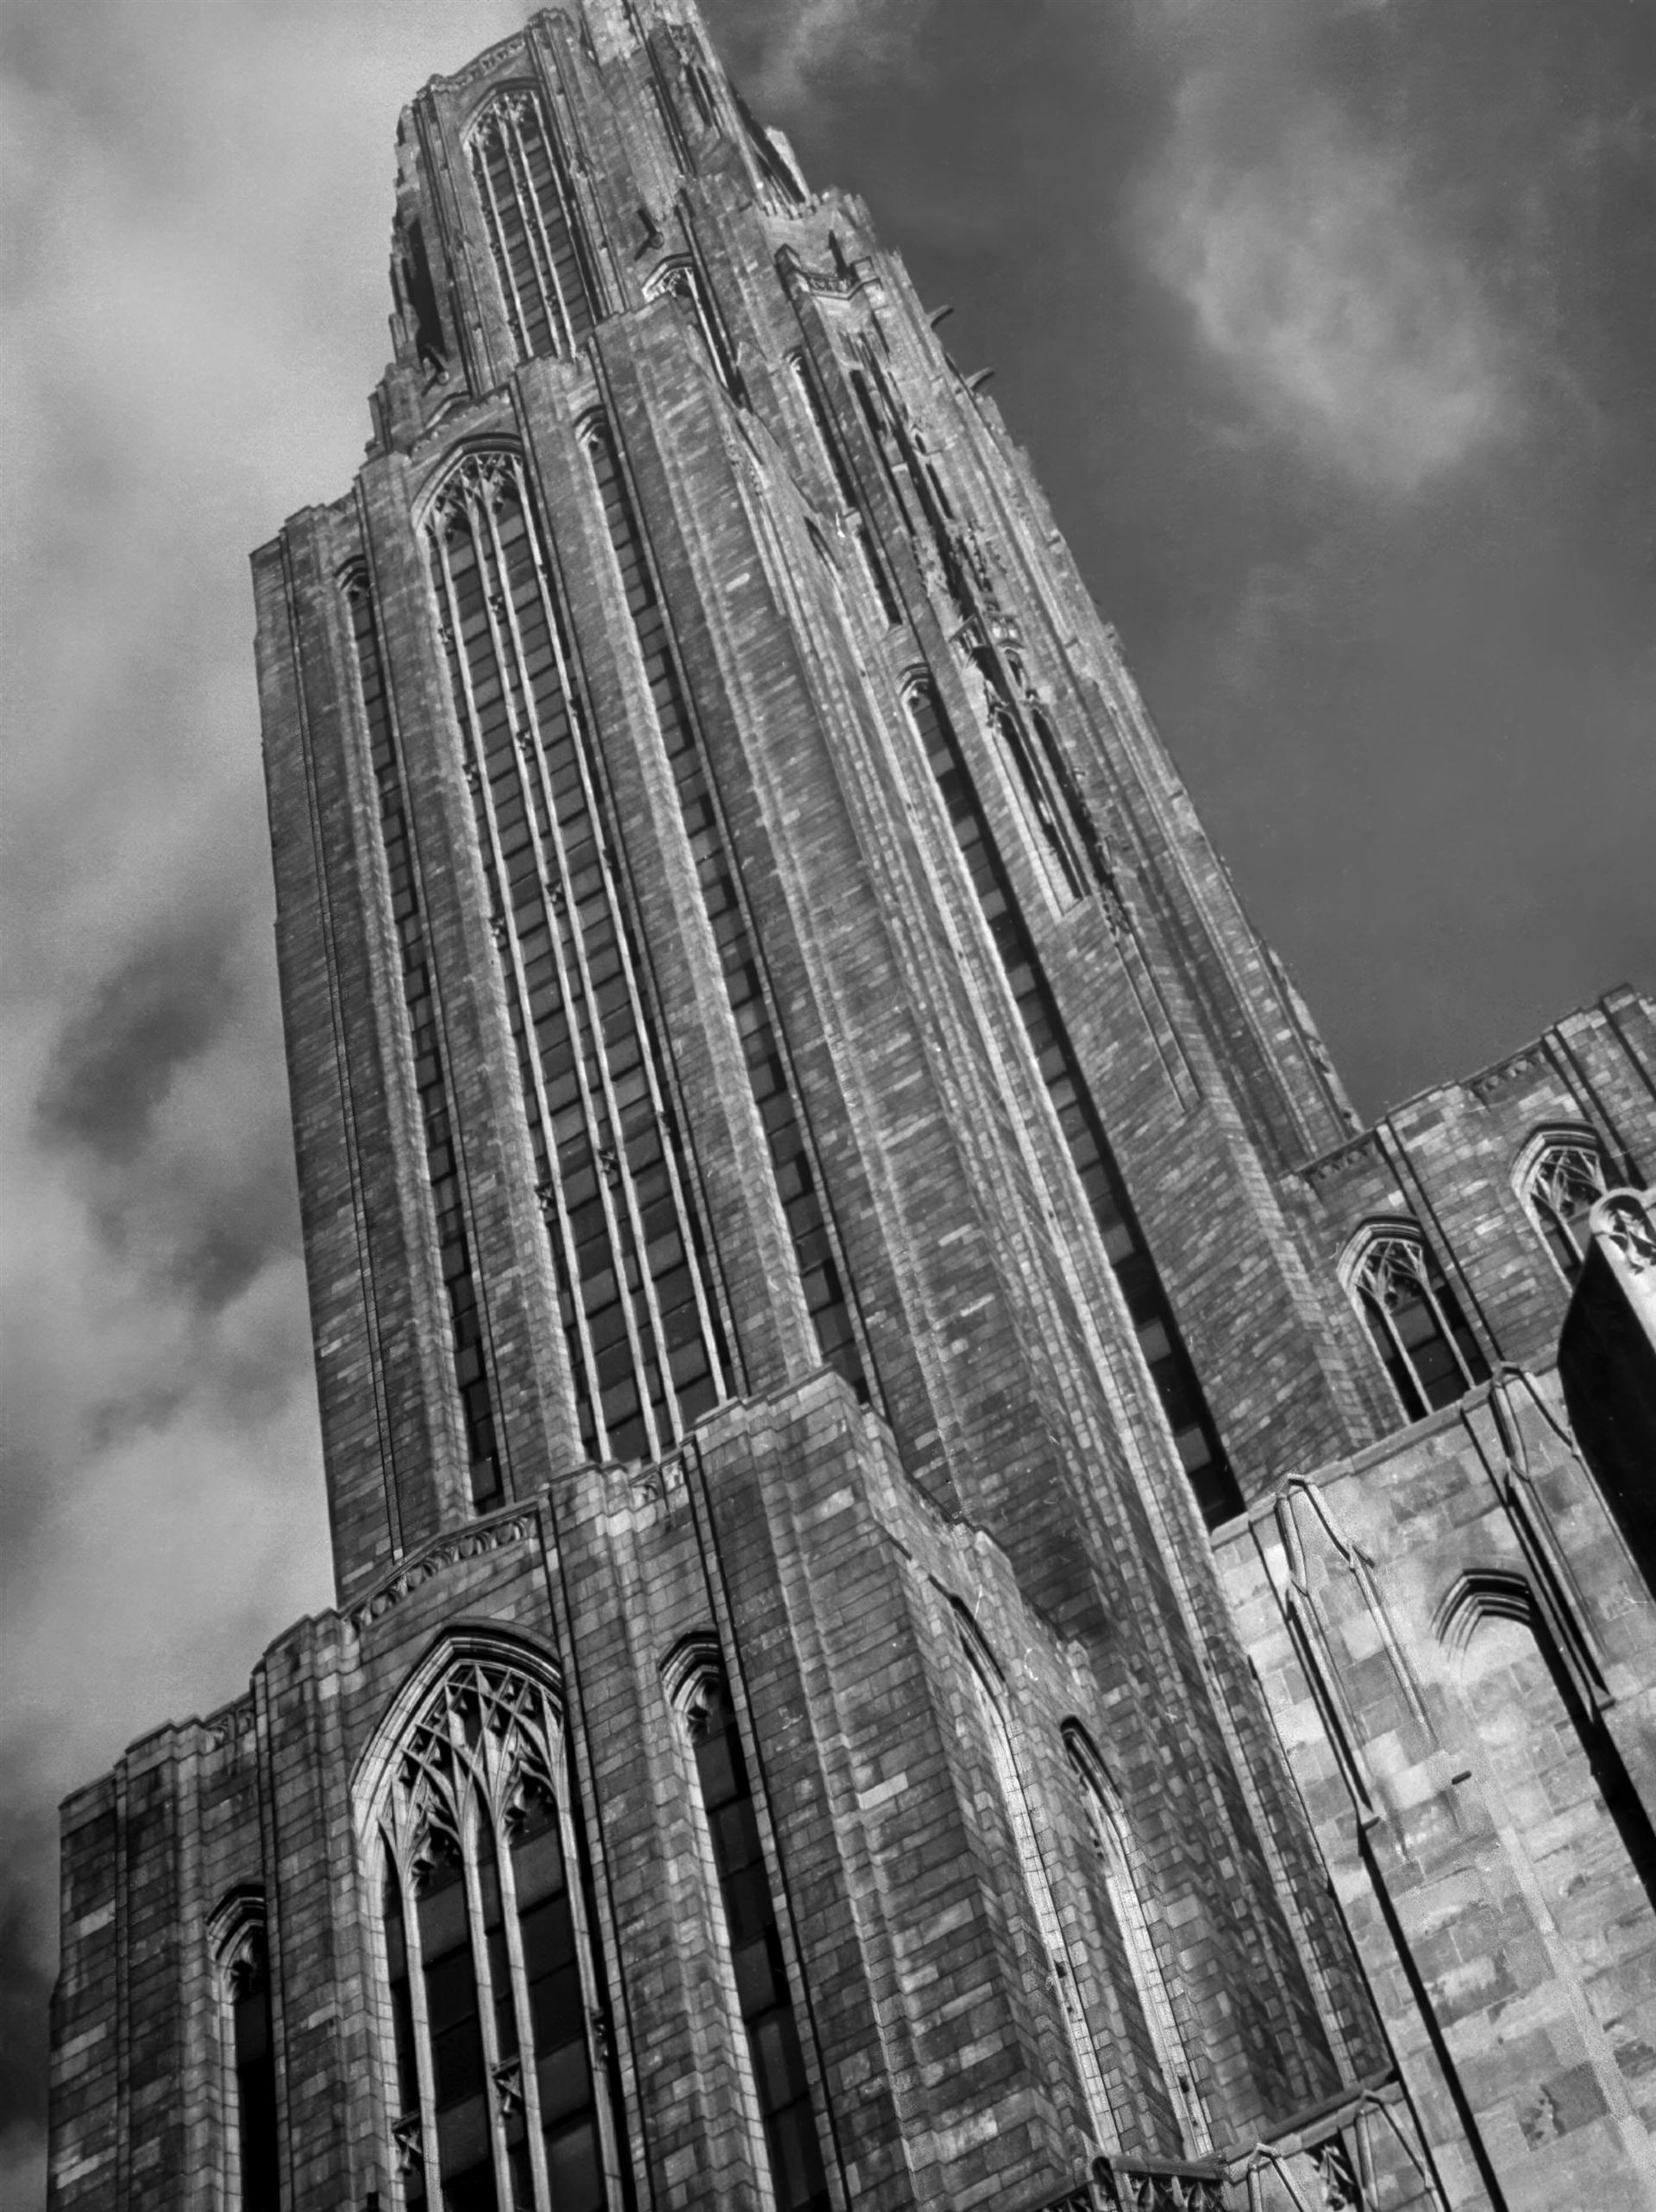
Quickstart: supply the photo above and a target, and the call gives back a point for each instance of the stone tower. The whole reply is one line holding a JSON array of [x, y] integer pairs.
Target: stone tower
[[816, 1201]]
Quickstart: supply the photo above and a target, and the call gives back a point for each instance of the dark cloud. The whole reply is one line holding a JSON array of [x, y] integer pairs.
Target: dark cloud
[[1329, 329], [115, 1062]]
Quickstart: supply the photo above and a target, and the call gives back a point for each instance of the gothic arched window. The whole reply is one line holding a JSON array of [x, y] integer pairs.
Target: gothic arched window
[[534, 230], [988, 1694], [1419, 1329], [1561, 1177], [1125, 1892], [762, 1991], [497, 2064], [251, 2163]]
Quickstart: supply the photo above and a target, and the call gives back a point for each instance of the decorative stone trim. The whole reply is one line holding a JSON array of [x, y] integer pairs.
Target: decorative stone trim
[[472, 1542]]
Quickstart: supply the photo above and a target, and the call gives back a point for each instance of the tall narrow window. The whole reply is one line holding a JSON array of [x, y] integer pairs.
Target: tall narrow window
[[1419, 1329], [1124, 1894], [640, 1312], [762, 1985], [494, 1995], [988, 1693], [534, 230], [1560, 1180], [683, 283], [1194, 1437], [252, 2166], [442, 1162], [852, 513], [768, 1076]]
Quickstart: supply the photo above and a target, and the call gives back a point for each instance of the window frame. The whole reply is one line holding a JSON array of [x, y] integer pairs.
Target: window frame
[[1365, 1255], [1545, 1144], [393, 1828]]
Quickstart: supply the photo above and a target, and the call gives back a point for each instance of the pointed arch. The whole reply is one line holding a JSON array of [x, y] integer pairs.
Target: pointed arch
[[1127, 1895], [238, 1939], [991, 1696], [493, 2009], [1559, 1175], [1421, 1332]]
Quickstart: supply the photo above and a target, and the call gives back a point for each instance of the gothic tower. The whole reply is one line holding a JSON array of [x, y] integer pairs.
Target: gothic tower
[[803, 1162]]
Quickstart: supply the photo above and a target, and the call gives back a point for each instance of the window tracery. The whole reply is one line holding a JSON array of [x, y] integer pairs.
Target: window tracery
[[1423, 1337], [534, 227], [1561, 1178], [498, 2057]]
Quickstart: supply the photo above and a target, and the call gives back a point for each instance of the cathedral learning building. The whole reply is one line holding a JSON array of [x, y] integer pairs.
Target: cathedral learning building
[[953, 1589]]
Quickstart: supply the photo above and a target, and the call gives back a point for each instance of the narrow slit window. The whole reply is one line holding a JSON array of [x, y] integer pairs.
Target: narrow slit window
[[1038, 1885], [763, 1995], [252, 2168], [1123, 1892]]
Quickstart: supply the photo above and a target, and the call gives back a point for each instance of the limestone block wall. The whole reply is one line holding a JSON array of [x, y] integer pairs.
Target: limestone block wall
[[1460, 1656]]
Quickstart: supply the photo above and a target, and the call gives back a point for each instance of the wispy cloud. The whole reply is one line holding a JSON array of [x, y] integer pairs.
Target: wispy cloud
[[1353, 326], [816, 49]]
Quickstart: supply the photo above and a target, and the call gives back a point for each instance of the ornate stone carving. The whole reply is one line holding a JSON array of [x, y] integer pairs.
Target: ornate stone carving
[[471, 1544]]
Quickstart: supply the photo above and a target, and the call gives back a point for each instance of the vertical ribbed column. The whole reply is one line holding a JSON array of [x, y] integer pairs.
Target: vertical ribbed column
[[640, 1310]]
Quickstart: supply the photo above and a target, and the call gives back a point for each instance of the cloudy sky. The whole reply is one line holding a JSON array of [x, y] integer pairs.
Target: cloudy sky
[[1330, 324]]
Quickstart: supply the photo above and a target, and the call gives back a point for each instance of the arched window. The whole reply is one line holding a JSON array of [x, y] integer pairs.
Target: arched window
[[988, 1694], [1415, 1318], [763, 1995], [495, 2063], [534, 230], [1125, 1892], [252, 2162], [1561, 1177]]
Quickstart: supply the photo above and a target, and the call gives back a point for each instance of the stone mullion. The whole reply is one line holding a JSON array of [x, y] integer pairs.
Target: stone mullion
[[477, 1939], [579, 749], [488, 829], [540, 246], [521, 2011], [414, 1958], [592, 1026], [484, 176]]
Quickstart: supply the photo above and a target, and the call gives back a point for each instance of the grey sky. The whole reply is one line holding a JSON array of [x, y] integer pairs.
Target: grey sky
[[1329, 323]]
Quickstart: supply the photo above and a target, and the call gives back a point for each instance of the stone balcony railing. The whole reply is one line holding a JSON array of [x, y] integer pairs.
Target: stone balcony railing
[[1358, 2152]]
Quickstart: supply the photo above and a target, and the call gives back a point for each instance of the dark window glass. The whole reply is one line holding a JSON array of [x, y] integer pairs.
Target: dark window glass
[[762, 1983]]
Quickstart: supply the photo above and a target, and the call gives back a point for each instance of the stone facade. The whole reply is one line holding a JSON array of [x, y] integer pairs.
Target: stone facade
[[817, 1201]]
